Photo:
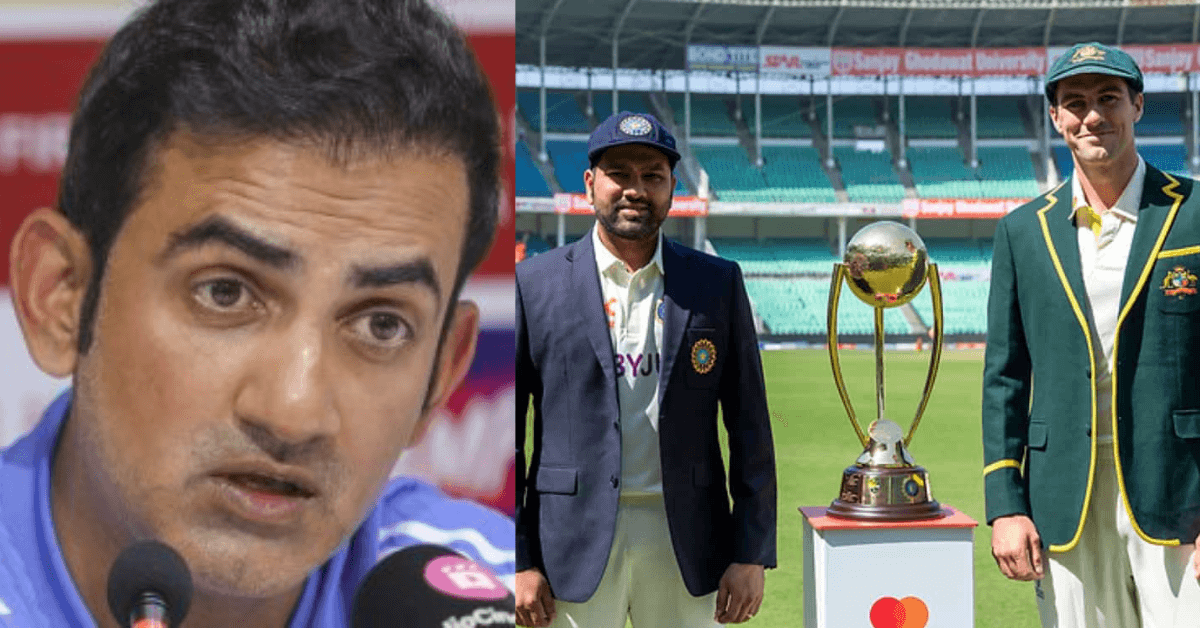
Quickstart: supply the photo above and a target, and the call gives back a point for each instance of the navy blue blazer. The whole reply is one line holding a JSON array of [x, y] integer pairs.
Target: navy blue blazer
[[567, 499]]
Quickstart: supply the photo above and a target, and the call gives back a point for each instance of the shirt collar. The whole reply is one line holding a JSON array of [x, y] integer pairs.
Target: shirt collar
[[605, 259], [1130, 201]]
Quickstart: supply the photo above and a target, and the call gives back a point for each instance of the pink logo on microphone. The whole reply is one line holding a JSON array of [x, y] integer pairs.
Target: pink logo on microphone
[[457, 576]]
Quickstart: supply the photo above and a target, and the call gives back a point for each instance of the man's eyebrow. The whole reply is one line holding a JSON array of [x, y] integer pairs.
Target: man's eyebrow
[[218, 229], [1079, 93], [418, 271]]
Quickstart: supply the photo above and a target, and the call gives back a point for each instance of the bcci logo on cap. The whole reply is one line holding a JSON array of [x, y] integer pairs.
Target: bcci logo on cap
[[1087, 53], [636, 126]]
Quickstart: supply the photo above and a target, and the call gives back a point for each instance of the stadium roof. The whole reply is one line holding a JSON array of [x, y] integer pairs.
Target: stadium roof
[[654, 34]]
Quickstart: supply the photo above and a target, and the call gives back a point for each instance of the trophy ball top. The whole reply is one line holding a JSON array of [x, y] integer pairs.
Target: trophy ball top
[[885, 431], [886, 264]]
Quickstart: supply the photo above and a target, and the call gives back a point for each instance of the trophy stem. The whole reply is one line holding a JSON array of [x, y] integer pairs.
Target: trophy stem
[[879, 362], [835, 291]]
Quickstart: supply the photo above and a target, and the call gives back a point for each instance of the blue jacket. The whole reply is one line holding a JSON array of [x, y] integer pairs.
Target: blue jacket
[[567, 499]]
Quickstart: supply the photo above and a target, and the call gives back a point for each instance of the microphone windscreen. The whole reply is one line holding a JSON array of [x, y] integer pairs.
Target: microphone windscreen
[[149, 566], [430, 586]]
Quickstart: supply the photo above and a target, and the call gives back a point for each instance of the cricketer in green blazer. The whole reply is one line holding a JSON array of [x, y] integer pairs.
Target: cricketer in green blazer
[[1040, 456]]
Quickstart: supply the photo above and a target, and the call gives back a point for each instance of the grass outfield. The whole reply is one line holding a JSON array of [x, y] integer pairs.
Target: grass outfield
[[814, 442]]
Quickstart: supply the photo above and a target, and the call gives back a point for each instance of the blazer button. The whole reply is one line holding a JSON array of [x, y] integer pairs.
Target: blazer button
[[1087, 373], [616, 481], [1089, 432], [617, 425]]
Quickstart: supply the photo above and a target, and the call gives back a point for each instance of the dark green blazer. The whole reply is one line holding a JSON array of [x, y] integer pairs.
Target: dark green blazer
[[1039, 394]]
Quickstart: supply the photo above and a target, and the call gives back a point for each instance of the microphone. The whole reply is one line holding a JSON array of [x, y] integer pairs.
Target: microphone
[[430, 586], [149, 586]]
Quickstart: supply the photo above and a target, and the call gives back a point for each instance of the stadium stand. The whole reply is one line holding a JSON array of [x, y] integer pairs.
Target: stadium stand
[[730, 172], [793, 173], [1162, 115], [777, 256], [788, 277], [939, 172], [570, 160], [960, 254], [782, 116], [869, 176], [562, 112], [964, 307], [926, 117], [798, 306], [710, 117], [784, 278], [998, 117], [1006, 172], [1170, 158], [529, 180], [534, 244], [852, 112]]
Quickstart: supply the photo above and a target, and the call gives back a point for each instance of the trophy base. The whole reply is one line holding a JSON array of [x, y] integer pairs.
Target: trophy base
[[899, 493]]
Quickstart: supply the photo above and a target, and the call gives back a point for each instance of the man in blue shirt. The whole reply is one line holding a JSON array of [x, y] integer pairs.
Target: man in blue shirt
[[252, 275]]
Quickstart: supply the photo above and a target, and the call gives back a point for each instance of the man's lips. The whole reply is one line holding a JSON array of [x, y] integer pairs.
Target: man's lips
[[266, 477], [265, 493]]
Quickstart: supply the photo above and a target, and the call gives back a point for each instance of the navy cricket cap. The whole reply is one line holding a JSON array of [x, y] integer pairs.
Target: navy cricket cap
[[631, 128], [1093, 58]]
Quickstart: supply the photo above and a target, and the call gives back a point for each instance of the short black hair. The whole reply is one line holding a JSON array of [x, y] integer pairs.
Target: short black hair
[[353, 78]]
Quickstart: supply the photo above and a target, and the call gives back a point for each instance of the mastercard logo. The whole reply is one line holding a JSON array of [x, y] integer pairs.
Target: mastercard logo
[[910, 612]]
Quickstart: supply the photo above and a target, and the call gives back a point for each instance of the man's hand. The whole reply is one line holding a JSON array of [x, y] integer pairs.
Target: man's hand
[[740, 593], [535, 605], [1017, 547], [1196, 557]]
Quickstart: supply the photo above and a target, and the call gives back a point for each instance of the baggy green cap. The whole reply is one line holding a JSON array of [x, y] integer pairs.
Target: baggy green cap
[[1093, 58]]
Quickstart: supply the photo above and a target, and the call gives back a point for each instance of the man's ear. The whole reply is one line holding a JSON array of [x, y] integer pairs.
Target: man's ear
[[49, 268], [589, 179], [1054, 117], [458, 351]]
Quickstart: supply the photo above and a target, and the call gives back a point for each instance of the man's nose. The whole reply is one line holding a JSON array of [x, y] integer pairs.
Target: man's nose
[[289, 396], [1093, 116], [635, 188]]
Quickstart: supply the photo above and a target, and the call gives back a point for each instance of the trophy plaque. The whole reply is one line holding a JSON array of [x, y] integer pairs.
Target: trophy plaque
[[885, 265]]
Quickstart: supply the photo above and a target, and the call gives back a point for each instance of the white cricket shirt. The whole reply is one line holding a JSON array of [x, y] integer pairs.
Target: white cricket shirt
[[1103, 260], [633, 309]]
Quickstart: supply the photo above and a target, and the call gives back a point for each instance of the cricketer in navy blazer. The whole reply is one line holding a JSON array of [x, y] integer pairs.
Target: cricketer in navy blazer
[[567, 499]]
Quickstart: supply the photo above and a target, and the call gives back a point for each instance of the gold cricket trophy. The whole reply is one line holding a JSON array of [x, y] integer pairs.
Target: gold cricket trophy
[[885, 265]]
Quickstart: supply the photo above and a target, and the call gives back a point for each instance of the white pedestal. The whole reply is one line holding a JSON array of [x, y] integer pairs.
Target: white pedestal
[[910, 574]]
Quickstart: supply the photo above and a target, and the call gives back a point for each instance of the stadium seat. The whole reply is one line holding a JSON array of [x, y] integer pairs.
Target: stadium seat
[[729, 170], [709, 115], [563, 112], [529, 179], [794, 174], [998, 117], [783, 116], [939, 172], [869, 176], [850, 112], [1006, 172], [570, 160], [1162, 115], [1168, 158], [926, 116]]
